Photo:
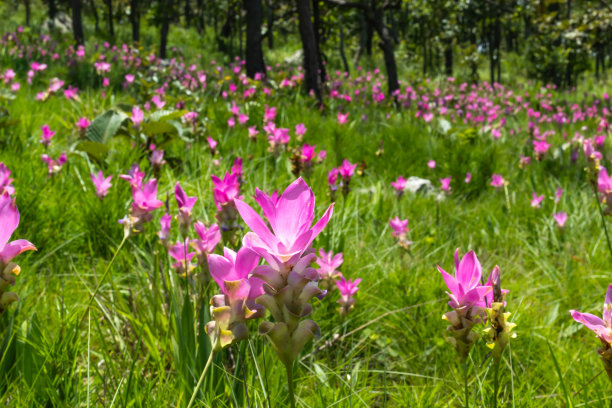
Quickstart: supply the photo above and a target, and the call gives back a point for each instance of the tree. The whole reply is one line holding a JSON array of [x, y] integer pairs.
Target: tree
[[109, 15], [254, 54], [309, 46], [77, 21], [167, 11], [135, 20]]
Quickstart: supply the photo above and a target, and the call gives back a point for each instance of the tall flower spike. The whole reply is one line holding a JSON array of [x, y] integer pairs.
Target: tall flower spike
[[602, 328], [499, 330], [9, 220], [236, 304], [467, 298]]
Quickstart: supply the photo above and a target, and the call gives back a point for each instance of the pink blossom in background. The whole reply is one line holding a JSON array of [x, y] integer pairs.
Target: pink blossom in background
[[536, 200], [399, 227], [328, 264], [601, 327], [270, 114], [165, 225], [468, 177], [342, 118], [300, 129], [347, 170], [558, 194], [465, 289], [83, 123], [560, 218], [431, 164], [47, 134], [399, 185], [9, 220], [6, 180], [445, 184], [101, 184], [137, 116], [497, 181], [225, 190]]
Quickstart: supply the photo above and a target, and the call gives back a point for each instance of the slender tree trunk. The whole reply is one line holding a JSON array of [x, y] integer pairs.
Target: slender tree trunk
[[254, 54], [94, 11], [200, 16], [165, 29], [317, 29], [309, 46], [28, 12], [135, 20], [342, 54], [77, 21], [109, 13], [52, 9], [362, 39], [270, 24], [448, 58], [188, 13], [386, 45]]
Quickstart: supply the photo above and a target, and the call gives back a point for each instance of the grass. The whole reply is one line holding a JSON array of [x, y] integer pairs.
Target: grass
[[141, 341]]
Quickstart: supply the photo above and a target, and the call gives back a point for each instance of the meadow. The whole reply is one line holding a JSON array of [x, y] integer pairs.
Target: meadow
[[110, 312]]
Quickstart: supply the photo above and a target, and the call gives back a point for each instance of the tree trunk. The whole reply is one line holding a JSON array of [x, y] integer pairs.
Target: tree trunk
[[200, 16], [270, 24], [27, 12], [254, 54], [342, 54], [165, 28], [77, 21], [317, 30], [448, 58], [187, 12], [135, 21], [109, 13], [309, 46], [94, 10], [386, 45], [52, 9]]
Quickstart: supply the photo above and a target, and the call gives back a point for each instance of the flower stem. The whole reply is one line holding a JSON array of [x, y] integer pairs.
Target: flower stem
[[603, 220], [465, 378], [495, 382], [289, 368], [197, 387]]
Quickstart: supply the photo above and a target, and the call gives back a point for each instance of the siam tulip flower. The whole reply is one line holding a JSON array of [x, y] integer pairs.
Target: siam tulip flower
[[9, 220], [290, 217], [54, 166], [208, 240], [270, 114], [237, 168], [253, 132], [300, 131], [604, 186], [399, 227], [445, 184], [431, 164], [468, 177], [558, 194], [129, 78], [101, 184], [497, 181], [157, 159], [158, 101], [342, 118], [71, 93], [134, 176], [346, 170], [190, 117], [5, 181], [231, 122], [144, 202], [15, 86], [183, 265], [561, 218], [536, 200], [348, 289], [540, 147], [46, 136], [225, 191], [185, 205], [328, 266], [236, 304], [467, 298], [399, 185], [164, 231], [602, 329], [499, 330], [212, 143], [137, 116], [83, 123], [524, 161], [242, 118], [308, 153]]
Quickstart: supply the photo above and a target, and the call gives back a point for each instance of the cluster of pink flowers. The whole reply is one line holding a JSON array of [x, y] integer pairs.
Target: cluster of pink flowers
[[346, 171]]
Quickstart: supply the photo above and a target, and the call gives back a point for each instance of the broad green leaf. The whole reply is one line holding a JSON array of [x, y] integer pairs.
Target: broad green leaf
[[105, 126]]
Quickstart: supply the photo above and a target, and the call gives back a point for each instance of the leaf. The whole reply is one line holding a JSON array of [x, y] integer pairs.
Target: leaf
[[97, 151], [157, 128], [165, 115], [105, 126]]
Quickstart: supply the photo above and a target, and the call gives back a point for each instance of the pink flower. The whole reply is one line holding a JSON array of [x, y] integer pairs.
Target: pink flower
[[183, 258], [165, 225], [157, 158], [464, 288], [253, 132], [145, 198], [54, 166], [468, 177], [237, 167], [225, 190], [332, 178], [291, 220], [536, 200], [212, 143], [400, 227], [342, 118], [9, 220], [83, 123], [308, 153], [191, 116], [601, 327], [347, 289], [137, 116], [270, 114], [445, 184], [242, 118], [300, 129], [347, 170], [540, 146], [231, 122], [209, 238], [558, 194], [46, 136], [561, 218], [185, 205], [5, 180], [134, 176], [329, 264], [101, 184], [129, 78], [231, 272], [604, 182], [71, 93], [399, 185], [158, 101], [431, 164], [497, 181]]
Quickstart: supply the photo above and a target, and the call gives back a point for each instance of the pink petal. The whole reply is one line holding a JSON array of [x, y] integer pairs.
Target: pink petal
[[15, 248], [469, 272], [591, 321], [9, 218], [255, 223]]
